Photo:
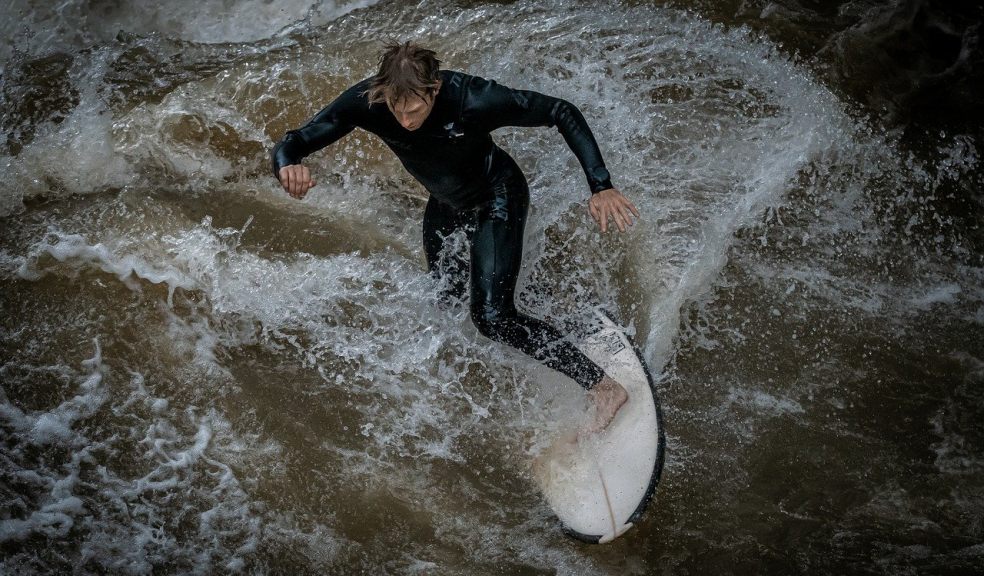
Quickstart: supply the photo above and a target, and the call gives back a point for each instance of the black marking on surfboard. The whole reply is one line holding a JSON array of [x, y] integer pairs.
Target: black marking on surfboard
[[613, 343]]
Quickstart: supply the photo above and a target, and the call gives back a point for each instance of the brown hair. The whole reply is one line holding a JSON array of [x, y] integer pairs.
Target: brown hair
[[404, 69]]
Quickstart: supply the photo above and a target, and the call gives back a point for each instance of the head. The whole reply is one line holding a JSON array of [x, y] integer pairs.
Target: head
[[407, 82]]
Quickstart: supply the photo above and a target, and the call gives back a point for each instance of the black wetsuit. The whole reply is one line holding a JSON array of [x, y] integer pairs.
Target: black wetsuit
[[474, 186]]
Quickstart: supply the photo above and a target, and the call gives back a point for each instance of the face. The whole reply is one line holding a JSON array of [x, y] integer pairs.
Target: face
[[412, 111]]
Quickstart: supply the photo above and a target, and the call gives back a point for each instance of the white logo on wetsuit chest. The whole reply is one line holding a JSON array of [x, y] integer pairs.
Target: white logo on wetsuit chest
[[452, 131]]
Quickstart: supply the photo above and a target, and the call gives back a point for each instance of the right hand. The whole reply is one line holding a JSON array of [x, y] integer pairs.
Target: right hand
[[296, 180], [611, 203]]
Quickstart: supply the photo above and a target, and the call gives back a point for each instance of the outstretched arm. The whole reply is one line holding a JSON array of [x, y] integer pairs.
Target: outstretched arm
[[333, 122], [494, 106]]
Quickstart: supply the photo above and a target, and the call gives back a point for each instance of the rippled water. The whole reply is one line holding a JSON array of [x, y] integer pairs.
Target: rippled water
[[200, 374]]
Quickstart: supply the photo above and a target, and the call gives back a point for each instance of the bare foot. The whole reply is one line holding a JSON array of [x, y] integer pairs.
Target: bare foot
[[608, 396]]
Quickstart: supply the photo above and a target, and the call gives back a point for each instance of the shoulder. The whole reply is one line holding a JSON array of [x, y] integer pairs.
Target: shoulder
[[358, 92], [469, 82], [475, 83], [355, 99], [454, 79], [484, 95], [453, 86]]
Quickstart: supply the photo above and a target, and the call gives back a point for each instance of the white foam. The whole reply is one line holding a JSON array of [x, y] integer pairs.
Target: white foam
[[75, 156], [860, 294], [59, 506], [176, 135], [763, 402], [39, 27], [942, 294], [75, 251], [55, 427], [128, 521]]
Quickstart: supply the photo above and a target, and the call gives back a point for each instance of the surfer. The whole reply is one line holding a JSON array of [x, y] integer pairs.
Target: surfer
[[438, 123]]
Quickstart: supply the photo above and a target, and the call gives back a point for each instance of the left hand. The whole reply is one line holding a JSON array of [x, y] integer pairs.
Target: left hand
[[611, 203]]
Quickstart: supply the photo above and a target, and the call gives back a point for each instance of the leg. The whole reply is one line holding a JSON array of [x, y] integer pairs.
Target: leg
[[445, 260], [496, 255]]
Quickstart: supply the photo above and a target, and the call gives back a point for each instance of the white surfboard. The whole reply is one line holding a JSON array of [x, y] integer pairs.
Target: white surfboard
[[599, 486]]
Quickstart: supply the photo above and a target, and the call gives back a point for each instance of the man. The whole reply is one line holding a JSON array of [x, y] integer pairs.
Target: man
[[438, 122]]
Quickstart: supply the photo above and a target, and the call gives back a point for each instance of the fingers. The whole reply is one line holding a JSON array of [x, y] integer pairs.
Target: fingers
[[303, 180], [622, 219], [289, 180], [615, 206], [602, 212], [594, 212], [625, 212], [285, 179], [296, 180], [599, 211]]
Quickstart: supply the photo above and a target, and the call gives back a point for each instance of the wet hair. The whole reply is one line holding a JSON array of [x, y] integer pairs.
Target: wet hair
[[404, 69]]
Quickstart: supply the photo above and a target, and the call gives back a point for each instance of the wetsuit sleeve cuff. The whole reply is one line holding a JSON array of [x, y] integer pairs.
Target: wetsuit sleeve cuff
[[595, 188], [599, 184], [286, 152]]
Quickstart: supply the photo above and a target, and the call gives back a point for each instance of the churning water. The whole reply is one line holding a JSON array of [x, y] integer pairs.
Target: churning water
[[202, 375]]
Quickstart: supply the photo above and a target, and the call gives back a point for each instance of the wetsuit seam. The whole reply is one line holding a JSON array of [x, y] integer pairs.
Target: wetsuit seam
[[465, 82]]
